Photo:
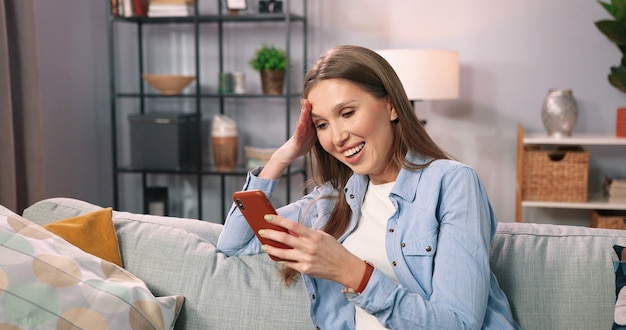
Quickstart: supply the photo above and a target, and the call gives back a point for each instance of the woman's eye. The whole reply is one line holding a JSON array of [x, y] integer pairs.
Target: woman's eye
[[347, 114], [321, 125]]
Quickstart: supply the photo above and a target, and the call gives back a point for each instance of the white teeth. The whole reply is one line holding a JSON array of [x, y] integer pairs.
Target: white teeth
[[352, 151]]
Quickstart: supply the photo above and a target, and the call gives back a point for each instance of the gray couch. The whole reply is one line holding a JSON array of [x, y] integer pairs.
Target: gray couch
[[556, 277]]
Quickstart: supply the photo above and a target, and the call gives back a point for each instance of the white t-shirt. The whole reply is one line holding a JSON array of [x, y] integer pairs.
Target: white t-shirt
[[368, 240]]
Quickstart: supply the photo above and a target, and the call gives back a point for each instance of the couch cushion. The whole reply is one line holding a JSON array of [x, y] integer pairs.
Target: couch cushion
[[48, 283], [220, 292], [54, 209], [92, 232], [555, 276]]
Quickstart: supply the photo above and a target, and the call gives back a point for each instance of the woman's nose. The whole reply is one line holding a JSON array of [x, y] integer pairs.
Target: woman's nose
[[340, 135]]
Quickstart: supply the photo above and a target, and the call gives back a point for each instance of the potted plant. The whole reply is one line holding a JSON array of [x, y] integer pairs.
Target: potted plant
[[271, 63], [615, 31]]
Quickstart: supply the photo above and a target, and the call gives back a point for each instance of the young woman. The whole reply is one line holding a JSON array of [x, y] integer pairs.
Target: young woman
[[395, 234]]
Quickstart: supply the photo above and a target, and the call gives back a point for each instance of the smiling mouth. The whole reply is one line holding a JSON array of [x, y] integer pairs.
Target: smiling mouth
[[353, 151]]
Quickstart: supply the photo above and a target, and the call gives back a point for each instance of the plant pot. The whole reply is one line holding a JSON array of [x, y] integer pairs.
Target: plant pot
[[272, 82]]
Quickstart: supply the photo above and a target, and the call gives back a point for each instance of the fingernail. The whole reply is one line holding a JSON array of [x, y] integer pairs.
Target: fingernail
[[264, 247], [261, 232], [268, 217]]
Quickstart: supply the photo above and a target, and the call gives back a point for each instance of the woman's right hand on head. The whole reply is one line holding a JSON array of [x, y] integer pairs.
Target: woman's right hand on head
[[299, 144]]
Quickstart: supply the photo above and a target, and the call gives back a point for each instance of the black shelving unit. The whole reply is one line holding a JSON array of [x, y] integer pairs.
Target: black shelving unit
[[283, 22]]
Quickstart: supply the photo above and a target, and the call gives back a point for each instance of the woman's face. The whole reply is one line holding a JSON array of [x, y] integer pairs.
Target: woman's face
[[354, 127]]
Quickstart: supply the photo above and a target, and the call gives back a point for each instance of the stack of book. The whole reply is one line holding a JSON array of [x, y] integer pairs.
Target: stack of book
[[615, 189], [160, 8], [129, 8]]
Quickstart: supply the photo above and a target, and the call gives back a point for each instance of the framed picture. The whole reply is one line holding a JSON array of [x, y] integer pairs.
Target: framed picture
[[236, 4]]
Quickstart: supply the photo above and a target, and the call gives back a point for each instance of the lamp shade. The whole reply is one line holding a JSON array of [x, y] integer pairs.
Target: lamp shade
[[425, 74]]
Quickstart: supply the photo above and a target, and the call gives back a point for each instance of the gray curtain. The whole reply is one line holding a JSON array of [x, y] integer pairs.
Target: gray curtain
[[21, 150]]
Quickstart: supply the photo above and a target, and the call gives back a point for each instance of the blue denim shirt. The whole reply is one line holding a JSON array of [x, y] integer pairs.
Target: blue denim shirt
[[437, 241]]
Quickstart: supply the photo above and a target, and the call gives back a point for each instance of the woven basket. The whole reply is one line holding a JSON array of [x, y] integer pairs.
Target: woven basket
[[559, 175], [608, 219]]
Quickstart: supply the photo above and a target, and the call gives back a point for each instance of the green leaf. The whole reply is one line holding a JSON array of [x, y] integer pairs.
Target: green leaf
[[619, 10], [615, 31], [617, 78], [608, 7]]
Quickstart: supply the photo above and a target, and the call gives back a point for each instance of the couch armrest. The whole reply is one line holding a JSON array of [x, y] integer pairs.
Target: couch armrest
[[54, 209]]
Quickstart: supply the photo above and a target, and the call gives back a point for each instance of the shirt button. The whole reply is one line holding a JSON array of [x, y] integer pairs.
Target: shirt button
[[351, 196], [428, 248], [394, 263], [403, 244], [391, 230], [313, 296]]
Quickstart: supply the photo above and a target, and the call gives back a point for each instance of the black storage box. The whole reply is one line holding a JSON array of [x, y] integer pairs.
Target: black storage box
[[164, 141]]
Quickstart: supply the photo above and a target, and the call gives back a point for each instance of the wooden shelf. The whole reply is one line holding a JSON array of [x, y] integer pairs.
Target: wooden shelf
[[595, 201], [577, 139]]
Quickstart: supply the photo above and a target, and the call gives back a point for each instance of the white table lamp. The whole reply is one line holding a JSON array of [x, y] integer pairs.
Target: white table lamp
[[426, 74]]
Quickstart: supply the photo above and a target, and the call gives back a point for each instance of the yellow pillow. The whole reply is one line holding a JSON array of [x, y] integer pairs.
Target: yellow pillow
[[92, 232]]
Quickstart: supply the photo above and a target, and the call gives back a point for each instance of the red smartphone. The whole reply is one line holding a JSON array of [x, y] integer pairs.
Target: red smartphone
[[254, 205]]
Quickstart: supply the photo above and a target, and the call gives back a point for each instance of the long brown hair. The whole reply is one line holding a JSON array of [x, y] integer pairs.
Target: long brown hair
[[371, 72]]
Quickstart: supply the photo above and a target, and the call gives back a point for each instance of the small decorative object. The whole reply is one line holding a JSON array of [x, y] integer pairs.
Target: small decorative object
[[620, 129], [270, 6], [155, 201], [226, 83], [168, 84], [239, 82], [234, 6], [225, 143], [559, 112], [271, 62]]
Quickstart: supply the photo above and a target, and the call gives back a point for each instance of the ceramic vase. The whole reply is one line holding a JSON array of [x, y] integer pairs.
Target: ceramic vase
[[559, 112]]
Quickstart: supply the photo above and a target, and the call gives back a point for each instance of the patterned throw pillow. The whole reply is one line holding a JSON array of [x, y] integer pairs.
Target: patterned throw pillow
[[48, 283], [619, 318]]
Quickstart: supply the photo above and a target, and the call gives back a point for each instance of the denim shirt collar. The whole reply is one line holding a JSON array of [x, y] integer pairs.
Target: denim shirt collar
[[405, 188]]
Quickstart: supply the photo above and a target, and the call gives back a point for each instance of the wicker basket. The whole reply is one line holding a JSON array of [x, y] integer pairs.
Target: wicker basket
[[559, 175], [608, 219]]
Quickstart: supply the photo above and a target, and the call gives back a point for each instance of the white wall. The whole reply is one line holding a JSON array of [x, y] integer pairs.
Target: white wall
[[75, 99], [511, 53]]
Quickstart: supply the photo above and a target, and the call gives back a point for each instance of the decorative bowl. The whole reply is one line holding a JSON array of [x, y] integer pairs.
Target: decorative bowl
[[256, 156], [262, 154], [168, 84]]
